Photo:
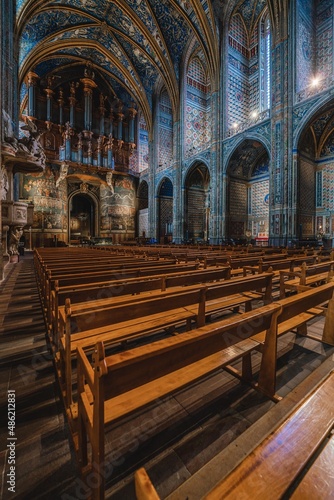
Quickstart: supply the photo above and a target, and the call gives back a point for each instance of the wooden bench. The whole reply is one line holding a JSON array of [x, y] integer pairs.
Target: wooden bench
[[94, 291], [125, 318], [298, 446], [298, 309], [119, 263], [99, 276], [295, 461], [240, 290], [237, 264], [307, 276], [135, 267], [121, 322], [287, 264], [120, 384]]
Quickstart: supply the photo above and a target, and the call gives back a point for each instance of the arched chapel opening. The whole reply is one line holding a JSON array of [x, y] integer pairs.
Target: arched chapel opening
[[315, 171], [165, 211], [197, 195], [248, 193], [81, 212], [142, 196]]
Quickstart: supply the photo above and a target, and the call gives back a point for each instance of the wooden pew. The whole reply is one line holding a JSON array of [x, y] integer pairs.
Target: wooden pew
[[287, 264], [295, 461], [240, 290], [120, 384], [298, 309], [119, 263], [273, 469], [237, 264], [93, 291], [87, 323], [99, 276], [121, 322], [307, 276], [69, 270], [143, 486]]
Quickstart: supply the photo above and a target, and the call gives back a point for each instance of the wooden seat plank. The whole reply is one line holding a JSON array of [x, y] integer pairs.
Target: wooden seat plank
[[138, 317], [122, 383], [318, 483], [128, 330], [163, 386], [273, 466], [298, 309], [230, 302]]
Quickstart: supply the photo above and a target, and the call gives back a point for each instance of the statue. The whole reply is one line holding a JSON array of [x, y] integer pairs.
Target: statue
[[32, 144], [9, 135], [14, 239], [62, 174], [109, 178], [8, 126], [4, 183]]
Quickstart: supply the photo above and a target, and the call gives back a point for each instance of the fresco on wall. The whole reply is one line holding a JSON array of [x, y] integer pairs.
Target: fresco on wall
[[49, 202], [118, 208]]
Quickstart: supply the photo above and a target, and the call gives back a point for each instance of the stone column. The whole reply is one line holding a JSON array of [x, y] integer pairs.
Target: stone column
[[214, 218], [281, 129], [178, 186]]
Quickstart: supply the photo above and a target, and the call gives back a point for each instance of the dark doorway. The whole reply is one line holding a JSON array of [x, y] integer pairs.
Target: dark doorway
[[81, 217]]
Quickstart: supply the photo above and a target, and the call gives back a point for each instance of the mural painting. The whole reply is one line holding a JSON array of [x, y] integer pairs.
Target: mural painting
[[50, 202], [118, 207]]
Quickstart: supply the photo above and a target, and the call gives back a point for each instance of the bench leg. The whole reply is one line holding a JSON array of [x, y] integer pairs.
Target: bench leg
[[247, 373], [248, 306], [82, 442], [302, 329], [188, 325], [328, 333]]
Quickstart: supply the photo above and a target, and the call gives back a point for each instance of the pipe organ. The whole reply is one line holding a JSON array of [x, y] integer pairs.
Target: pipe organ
[[79, 123]]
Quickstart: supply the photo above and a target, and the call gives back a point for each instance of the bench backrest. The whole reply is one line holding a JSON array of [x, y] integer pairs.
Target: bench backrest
[[314, 269], [301, 302], [65, 269], [99, 276], [274, 265], [204, 276], [239, 263], [127, 370], [245, 284], [85, 320], [113, 290]]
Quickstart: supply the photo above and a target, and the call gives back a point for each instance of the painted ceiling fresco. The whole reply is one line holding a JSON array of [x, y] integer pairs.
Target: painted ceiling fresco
[[136, 45]]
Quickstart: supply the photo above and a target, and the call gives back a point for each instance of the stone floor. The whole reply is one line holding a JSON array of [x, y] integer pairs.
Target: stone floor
[[191, 439]]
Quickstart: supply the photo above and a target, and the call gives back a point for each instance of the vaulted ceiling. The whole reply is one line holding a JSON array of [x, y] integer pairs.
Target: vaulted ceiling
[[135, 46]]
